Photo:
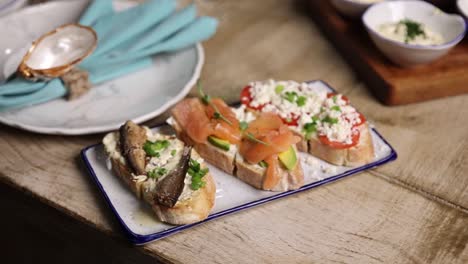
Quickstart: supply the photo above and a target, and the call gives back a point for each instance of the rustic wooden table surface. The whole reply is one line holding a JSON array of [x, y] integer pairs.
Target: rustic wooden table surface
[[414, 210]]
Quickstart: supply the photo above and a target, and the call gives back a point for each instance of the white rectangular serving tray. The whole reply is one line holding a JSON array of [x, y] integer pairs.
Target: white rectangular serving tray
[[232, 195]]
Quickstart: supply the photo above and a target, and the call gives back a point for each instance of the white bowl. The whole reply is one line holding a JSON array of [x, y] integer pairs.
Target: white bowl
[[352, 8], [451, 27], [462, 6]]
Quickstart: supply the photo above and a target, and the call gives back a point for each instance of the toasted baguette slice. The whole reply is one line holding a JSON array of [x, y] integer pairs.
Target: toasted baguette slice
[[358, 155], [254, 175], [192, 206]]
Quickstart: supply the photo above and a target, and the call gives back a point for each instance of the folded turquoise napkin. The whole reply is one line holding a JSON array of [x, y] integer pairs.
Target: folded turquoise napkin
[[126, 42]]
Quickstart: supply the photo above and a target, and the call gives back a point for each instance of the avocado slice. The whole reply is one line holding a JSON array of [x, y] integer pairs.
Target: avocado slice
[[220, 143], [288, 158]]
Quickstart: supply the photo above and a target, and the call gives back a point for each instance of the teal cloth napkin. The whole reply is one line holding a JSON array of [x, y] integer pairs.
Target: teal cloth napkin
[[126, 42]]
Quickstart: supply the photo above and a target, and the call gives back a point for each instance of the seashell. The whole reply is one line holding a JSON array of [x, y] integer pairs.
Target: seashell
[[57, 52]]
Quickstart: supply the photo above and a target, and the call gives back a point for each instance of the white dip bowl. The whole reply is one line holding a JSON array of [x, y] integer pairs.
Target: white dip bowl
[[462, 6], [451, 27], [352, 8]]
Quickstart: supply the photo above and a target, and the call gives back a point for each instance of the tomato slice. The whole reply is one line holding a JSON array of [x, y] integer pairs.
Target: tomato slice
[[292, 121], [246, 99], [340, 145], [342, 97], [362, 119]]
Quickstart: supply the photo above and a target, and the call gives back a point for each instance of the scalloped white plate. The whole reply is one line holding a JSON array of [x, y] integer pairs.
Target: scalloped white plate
[[139, 96]]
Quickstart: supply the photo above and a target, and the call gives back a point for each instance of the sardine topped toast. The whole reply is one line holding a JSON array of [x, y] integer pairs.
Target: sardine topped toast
[[261, 153], [330, 128], [163, 171]]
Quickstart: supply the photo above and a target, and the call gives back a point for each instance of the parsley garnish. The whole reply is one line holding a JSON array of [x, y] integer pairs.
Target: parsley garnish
[[301, 100], [310, 128], [290, 96], [330, 120], [279, 89], [413, 29], [336, 108], [197, 174], [206, 99], [153, 148]]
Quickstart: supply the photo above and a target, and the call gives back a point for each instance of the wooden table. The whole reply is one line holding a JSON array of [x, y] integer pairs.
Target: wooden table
[[414, 210]]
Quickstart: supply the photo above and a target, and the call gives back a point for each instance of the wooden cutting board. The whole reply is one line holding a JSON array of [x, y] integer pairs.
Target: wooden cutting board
[[392, 84]]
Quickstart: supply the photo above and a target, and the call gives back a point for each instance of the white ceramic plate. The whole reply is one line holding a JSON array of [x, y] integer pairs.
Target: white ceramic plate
[[139, 96], [232, 195]]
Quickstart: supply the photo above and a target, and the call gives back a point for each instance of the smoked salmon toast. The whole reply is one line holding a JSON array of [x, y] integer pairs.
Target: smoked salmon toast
[[166, 173], [261, 153], [330, 128]]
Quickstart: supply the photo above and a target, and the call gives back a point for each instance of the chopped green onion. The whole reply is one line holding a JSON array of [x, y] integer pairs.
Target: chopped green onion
[[335, 98], [197, 173], [153, 148], [173, 152], [157, 172], [301, 100], [279, 89]]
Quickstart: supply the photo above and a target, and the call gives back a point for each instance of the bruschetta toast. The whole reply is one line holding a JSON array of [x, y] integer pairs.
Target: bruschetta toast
[[259, 153], [329, 127], [163, 171]]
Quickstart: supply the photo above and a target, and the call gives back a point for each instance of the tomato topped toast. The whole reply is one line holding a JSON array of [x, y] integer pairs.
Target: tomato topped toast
[[329, 127], [261, 153]]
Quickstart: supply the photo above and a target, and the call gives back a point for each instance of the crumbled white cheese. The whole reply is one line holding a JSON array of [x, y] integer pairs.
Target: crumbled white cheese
[[276, 100], [282, 98], [345, 117], [242, 114]]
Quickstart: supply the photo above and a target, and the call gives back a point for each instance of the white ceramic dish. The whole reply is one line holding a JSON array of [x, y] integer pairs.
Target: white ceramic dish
[[451, 27], [232, 195], [139, 96], [352, 8], [9, 6], [462, 6]]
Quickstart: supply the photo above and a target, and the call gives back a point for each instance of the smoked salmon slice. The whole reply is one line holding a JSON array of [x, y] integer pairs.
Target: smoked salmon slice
[[272, 176], [190, 115], [276, 138], [199, 121]]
